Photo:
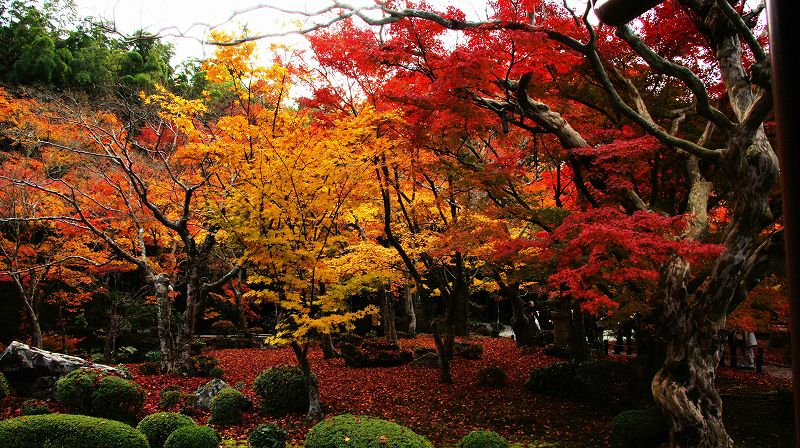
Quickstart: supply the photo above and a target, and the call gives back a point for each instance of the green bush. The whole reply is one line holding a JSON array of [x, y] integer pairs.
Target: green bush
[[267, 436], [68, 431], [169, 398], [35, 407], [158, 427], [374, 352], [282, 388], [5, 388], [348, 431], [217, 372], [117, 398], [193, 437], [483, 439], [74, 390], [468, 350], [189, 404], [640, 428], [92, 392], [201, 365], [227, 407], [149, 368], [492, 377], [596, 382], [608, 382], [153, 356]]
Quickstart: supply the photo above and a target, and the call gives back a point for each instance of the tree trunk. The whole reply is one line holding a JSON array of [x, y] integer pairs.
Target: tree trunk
[[457, 312], [162, 287], [388, 314], [239, 301], [29, 302], [408, 307], [191, 315], [445, 377], [561, 323], [684, 386], [36, 328], [111, 342], [328, 350], [578, 346], [314, 408], [524, 334]]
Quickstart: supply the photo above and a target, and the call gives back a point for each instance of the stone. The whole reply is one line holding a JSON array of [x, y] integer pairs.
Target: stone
[[33, 372], [208, 391], [427, 360]]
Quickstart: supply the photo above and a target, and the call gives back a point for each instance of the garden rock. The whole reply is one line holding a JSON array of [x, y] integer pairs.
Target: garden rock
[[208, 391], [33, 372], [427, 360]]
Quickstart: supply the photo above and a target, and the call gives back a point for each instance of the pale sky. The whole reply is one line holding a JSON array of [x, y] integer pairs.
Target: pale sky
[[157, 15]]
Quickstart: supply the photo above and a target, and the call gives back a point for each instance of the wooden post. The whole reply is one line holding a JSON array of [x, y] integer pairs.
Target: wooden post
[[783, 51]]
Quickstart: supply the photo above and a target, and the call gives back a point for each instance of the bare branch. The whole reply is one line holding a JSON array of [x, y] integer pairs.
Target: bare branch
[[661, 65]]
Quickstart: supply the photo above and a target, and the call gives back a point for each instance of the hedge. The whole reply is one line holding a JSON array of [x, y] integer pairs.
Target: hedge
[[68, 431]]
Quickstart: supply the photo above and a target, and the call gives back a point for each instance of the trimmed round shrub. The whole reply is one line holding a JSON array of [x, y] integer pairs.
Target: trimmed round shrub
[[201, 365], [603, 382], [168, 399], [193, 437], [217, 372], [158, 427], [492, 377], [68, 431], [555, 379], [267, 436], [5, 388], [597, 382], [149, 368], [227, 407], [35, 407], [348, 431], [640, 428], [422, 351], [189, 404], [74, 390], [483, 439], [282, 388], [117, 398], [468, 350]]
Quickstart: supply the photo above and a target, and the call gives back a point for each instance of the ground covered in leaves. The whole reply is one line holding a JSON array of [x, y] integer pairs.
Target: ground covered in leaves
[[412, 396]]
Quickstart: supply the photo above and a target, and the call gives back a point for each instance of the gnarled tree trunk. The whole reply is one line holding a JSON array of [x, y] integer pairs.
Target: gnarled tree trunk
[[162, 287]]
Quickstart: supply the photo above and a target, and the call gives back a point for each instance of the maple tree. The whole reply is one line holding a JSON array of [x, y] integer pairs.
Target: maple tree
[[46, 260], [498, 72], [137, 194], [293, 208]]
